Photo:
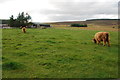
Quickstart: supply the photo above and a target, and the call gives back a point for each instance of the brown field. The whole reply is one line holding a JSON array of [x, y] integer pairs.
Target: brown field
[[100, 25], [109, 23], [85, 28]]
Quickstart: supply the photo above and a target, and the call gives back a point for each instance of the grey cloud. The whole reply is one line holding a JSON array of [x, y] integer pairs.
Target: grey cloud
[[68, 17], [79, 10]]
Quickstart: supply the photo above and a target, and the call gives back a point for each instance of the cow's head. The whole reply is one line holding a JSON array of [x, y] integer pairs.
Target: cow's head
[[94, 40]]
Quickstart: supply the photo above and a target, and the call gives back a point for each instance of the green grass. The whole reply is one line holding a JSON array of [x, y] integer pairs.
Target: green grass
[[57, 53]]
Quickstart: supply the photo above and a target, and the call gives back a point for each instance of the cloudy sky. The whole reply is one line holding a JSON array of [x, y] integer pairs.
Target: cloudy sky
[[60, 10]]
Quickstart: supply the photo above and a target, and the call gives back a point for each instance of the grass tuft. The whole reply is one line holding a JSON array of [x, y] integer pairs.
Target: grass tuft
[[12, 66]]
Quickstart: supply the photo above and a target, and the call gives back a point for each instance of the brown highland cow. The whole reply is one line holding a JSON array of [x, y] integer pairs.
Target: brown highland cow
[[24, 29], [102, 36]]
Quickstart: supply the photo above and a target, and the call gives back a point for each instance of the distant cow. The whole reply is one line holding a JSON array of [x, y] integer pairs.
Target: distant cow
[[24, 29], [101, 36]]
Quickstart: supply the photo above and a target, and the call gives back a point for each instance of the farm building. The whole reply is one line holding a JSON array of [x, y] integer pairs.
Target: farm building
[[44, 26], [4, 23]]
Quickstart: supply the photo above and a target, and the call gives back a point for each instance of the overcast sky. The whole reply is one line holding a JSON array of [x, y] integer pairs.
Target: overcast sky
[[60, 10]]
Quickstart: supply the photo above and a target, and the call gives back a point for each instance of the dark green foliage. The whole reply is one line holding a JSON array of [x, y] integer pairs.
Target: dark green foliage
[[21, 20], [78, 25], [11, 21]]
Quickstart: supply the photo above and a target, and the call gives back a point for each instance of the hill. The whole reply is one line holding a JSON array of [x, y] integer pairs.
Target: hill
[[102, 23]]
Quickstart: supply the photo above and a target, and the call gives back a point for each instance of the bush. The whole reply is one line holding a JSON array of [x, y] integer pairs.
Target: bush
[[78, 25]]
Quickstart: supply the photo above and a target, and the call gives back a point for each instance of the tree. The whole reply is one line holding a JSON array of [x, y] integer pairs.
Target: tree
[[28, 17], [11, 21], [22, 20]]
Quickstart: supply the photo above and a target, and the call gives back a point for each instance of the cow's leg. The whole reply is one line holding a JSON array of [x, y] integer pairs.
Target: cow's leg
[[104, 42], [108, 43], [98, 42], [23, 30]]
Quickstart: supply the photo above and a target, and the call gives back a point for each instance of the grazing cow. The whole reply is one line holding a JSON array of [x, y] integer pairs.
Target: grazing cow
[[101, 36], [24, 29]]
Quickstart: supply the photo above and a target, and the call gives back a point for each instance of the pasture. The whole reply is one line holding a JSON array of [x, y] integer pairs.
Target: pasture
[[57, 53]]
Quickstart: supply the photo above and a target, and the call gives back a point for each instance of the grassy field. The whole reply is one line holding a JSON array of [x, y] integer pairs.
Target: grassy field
[[1, 54], [57, 53]]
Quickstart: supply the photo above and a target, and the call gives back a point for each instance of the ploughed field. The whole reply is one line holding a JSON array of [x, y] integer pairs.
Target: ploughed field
[[57, 53]]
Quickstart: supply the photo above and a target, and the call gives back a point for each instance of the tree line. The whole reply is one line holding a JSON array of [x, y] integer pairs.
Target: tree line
[[23, 19]]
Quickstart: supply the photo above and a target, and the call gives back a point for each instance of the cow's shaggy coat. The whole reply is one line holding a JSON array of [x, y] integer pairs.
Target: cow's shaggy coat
[[24, 30], [102, 36]]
